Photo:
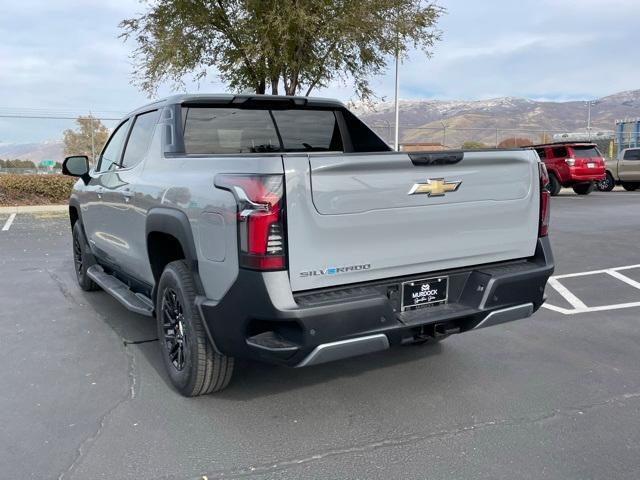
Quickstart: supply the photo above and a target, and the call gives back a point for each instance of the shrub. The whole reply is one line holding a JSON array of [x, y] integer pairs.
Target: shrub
[[473, 145], [34, 189], [515, 142]]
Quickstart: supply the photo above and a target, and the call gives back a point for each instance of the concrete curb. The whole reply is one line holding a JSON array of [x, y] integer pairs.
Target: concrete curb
[[35, 209]]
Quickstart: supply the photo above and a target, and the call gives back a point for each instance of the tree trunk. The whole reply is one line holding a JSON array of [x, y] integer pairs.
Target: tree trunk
[[261, 87], [274, 85]]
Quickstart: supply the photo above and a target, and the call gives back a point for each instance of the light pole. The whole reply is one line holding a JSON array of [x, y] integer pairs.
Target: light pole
[[397, 102], [589, 104], [93, 143]]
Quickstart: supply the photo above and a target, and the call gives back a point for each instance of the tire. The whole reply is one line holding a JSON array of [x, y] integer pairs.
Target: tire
[[554, 185], [82, 259], [630, 186], [606, 184], [192, 364], [583, 188]]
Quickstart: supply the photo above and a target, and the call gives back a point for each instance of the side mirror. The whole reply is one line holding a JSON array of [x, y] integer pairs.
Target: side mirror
[[76, 166]]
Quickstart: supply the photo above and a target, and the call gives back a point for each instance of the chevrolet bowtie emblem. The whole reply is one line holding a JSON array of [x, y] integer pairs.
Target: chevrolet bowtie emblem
[[435, 187]]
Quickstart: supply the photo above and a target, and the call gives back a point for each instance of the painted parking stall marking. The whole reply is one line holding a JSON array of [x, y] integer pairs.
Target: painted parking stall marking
[[7, 224], [578, 305]]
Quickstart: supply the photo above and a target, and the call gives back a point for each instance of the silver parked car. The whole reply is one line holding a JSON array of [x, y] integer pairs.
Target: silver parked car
[[282, 229]]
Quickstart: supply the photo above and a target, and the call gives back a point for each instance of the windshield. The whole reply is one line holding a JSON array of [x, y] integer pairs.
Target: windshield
[[588, 151]]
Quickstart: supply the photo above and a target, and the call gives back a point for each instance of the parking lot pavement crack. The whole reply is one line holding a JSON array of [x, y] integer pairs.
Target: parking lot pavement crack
[[569, 412], [66, 293], [87, 443]]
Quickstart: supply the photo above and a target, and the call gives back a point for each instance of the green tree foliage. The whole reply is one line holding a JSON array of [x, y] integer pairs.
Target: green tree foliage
[[295, 44], [472, 145], [80, 142]]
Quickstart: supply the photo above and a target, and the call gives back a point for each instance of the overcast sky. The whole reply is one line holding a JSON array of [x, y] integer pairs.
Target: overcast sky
[[64, 56]]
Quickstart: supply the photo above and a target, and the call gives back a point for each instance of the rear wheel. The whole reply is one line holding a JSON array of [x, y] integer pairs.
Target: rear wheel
[[606, 184], [583, 188], [193, 366], [554, 185], [630, 186], [82, 259]]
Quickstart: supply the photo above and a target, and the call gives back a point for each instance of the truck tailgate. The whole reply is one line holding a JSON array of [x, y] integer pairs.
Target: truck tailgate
[[354, 218]]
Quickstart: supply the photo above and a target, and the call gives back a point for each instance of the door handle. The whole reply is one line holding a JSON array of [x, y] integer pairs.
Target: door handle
[[99, 192], [127, 194]]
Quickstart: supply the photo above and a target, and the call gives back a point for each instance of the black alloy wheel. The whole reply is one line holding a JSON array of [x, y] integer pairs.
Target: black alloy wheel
[[174, 329]]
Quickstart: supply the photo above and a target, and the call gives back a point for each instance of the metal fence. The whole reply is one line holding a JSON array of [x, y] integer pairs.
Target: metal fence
[[489, 137], [431, 137]]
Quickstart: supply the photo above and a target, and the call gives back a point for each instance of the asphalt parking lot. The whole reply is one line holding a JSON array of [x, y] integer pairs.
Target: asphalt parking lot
[[552, 397]]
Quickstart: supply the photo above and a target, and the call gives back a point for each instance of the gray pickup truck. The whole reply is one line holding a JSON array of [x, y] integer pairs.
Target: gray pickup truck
[[282, 229]]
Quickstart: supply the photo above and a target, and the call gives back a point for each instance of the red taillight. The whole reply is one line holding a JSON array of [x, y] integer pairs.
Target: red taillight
[[261, 232], [545, 201]]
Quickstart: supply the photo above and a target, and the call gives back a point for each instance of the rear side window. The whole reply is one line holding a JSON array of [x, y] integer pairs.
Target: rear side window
[[308, 130], [228, 130], [586, 152], [559, 152], [542, 153], [362, 137], [139, 138], [632, 155]]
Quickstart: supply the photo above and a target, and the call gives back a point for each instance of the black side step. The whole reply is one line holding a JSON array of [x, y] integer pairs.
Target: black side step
[[134, 302]]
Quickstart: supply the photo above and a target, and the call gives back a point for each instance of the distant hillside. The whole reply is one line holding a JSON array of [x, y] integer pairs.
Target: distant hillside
[[423, 120], [36, 152]]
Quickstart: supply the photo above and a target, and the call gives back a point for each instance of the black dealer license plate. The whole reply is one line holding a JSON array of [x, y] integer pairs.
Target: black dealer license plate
[[430, 291]]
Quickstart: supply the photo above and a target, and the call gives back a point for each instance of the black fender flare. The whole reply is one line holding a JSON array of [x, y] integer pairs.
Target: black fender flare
[[174, 222], [75, 204]]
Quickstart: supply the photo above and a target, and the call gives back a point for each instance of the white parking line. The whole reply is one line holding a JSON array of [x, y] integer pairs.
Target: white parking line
[[624, 278], [577, 304], [569, 297], [8, 223]]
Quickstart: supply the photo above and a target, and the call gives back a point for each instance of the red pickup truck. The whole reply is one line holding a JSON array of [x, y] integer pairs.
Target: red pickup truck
[[572, 164]]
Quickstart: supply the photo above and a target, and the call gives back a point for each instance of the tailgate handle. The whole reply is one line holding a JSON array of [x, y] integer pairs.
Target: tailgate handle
[[437, 158]]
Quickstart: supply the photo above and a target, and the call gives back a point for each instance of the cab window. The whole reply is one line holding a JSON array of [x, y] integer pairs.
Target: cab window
[[559, 152], [110, 157], [139, 138]]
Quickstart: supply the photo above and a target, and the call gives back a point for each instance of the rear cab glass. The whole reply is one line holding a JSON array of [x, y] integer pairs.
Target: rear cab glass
[[308, 130], [632, 154], [230, 130], [586, 151]]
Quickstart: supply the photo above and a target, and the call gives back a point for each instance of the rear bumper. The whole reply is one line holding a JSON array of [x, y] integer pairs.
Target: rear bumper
[[261, 320], [578, 175]]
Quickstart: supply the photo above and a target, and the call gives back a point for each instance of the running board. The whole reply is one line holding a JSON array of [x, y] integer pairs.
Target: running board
[[135, 302]]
